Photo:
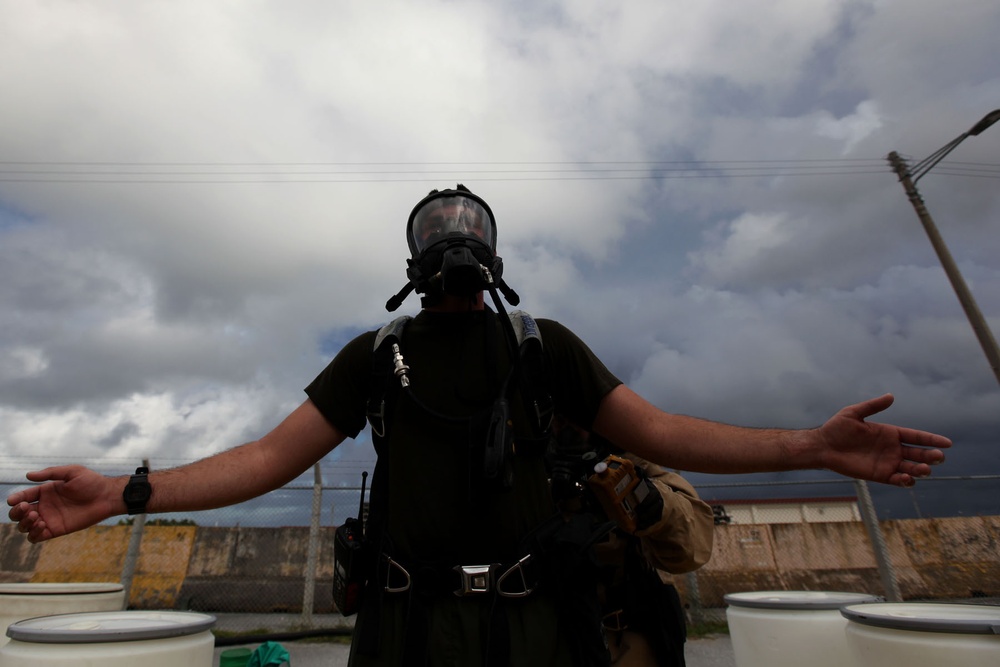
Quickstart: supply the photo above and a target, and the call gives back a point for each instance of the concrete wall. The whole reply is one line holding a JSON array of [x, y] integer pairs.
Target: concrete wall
[[260, 569], [956, 557]]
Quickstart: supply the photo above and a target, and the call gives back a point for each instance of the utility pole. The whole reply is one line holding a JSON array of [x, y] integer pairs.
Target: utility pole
[[976, 319], [882, 558]]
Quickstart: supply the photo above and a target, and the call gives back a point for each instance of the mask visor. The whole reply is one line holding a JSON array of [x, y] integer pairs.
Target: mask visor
[[446, 217]]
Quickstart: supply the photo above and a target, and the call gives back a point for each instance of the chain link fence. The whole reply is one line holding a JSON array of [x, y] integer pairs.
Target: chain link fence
[[274, 555]]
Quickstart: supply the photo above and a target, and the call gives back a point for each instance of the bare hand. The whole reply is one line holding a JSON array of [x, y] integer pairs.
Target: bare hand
[[878, 452], [72, 498]]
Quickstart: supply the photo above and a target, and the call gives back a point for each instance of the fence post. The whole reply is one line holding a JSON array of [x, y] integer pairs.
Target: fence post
[[132, 554], [309, 589], [882, 559], [695, 611]]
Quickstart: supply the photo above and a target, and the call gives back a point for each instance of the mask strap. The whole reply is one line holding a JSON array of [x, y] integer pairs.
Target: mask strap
[[508, 328]]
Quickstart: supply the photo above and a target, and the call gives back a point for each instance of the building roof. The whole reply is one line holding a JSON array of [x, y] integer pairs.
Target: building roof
[[782, 501]]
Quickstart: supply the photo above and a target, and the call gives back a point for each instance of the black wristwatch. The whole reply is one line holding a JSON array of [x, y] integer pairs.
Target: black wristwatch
[[137, 491]]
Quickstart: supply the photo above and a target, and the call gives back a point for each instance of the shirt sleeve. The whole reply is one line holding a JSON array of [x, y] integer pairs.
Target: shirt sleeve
[[341, 391], [579, 380]]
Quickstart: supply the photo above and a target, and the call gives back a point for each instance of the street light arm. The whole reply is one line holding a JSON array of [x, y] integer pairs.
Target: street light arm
[[928, 162], [987, 120], [925, 165]]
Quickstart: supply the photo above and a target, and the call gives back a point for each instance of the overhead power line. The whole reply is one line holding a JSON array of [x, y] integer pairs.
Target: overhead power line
[[124, 173], [369, 172]]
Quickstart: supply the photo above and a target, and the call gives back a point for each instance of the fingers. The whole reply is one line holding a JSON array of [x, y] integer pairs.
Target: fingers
[[32, 493], [924, 439], [53, 473], [914, 469], [29, 495], [931, 457], [866, 409], [37, 532], [30, 522], [916, 465], [901, 479], [18, 510]]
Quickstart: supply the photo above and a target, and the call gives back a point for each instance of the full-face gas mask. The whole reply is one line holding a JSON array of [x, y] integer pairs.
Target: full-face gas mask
[[452, 240]]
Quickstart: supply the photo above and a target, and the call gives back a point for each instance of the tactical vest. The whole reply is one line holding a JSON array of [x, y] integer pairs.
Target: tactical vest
[[547, 558]]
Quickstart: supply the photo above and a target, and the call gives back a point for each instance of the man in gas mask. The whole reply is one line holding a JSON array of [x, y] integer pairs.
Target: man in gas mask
[[466, 565]]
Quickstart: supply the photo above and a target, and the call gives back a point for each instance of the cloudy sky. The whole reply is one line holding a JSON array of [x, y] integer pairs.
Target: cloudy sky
[[200, 202]]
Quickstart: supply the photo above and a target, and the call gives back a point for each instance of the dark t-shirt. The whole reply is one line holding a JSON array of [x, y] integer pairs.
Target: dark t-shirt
[[457, 365], [438, 511]]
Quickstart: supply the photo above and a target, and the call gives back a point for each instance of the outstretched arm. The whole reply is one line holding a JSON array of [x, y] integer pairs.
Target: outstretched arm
[[846, 443], [71, 498]]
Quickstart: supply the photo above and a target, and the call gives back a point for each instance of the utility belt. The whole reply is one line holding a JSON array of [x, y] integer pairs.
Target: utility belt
[[513, 580]]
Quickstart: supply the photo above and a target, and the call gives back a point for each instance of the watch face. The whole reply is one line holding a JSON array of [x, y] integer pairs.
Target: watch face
[[137, 492]]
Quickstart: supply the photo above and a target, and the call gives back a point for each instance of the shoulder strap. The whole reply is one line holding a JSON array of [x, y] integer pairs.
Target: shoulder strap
[[534, 375], [382, 372], [525, 327], [393, 330]]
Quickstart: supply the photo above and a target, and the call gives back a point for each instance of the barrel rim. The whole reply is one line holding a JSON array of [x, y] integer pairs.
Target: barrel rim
[[40, 630], [798, 600], [976, 620]]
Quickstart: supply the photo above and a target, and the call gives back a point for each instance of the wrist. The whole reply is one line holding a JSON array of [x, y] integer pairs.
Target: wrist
[[803, 450]]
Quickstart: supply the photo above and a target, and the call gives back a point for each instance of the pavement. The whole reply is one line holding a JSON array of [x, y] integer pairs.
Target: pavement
[[710, 651]]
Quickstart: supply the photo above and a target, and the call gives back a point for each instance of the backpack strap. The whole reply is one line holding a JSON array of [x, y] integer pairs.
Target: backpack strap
[[534, 375], [383, 368]]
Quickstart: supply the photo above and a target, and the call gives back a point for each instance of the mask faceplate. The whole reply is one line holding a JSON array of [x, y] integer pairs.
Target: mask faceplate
[[452, 237], [451, 234]]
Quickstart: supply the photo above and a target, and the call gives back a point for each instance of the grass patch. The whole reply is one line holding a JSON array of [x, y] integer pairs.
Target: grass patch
[[228, 634], [705, 628], [340, 636]]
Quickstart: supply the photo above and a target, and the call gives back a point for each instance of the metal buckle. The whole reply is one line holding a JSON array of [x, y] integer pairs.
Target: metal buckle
[[476, 579], [615, 621], [519, 568], [390, 563], [379, 430]]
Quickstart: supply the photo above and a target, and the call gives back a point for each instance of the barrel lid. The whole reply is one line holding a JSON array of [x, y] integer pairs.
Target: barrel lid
[[972, 619], [109, 626], [69, 588], [797, 599]]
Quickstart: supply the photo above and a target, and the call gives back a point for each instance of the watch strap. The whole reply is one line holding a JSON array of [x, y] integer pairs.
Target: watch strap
[[137, 491]]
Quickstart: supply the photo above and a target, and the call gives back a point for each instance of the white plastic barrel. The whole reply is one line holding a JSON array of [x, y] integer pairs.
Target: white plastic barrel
[[20, 601], [921, 634], [111, 639], [790, 628]]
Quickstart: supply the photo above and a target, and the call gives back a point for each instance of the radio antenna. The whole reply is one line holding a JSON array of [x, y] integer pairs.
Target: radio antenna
[[361, 504]]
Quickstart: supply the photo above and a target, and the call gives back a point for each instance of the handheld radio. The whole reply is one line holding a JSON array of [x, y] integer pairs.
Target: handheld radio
[[349, 555], [619, 489]]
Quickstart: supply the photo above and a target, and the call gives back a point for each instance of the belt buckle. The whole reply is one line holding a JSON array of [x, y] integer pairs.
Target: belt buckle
[[475, 579]]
